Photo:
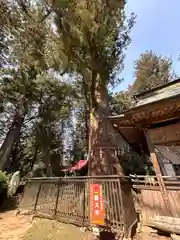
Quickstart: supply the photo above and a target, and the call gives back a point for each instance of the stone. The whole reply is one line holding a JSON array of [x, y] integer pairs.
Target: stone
[[139, 227], [148, 229], [14, 183], [83, 229], [175, 237]]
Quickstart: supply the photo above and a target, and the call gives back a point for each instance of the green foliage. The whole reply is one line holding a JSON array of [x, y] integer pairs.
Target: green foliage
[[120, 102], [25, 79], [89, 41], [4, 178], [55, 56], [134, 164], [151, 71]]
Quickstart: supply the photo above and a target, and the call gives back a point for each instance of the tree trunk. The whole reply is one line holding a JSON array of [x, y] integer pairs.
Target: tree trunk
[[47, 163], [11, 137], [87, 128], [105, 143], [14, 164], [34, 159]]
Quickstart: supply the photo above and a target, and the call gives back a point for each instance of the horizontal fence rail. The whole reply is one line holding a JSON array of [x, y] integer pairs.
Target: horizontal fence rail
[[151, 182], [150, 202], [68, 200]]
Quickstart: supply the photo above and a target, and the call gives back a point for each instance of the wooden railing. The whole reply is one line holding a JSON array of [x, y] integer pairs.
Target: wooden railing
[[150, 202], [68, 200]]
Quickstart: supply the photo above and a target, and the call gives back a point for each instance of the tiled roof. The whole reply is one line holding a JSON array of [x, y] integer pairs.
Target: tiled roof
[[168, 91]]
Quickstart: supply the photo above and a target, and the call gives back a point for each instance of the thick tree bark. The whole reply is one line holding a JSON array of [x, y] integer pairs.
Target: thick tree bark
[[14, 164], [87, 128], [34, 158], [105, 143], [47, 163], [11, 137]]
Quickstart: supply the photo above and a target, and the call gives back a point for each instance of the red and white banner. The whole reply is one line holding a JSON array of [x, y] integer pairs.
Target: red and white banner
[[96, 204]]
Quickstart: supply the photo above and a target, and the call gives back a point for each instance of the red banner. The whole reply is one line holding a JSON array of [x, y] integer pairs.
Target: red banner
[[96, 204]]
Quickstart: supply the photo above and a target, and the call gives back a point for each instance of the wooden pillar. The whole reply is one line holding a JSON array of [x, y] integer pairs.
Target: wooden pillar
[[158, 171], [153, 156]]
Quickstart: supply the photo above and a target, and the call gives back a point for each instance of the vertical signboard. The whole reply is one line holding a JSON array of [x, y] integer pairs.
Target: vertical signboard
[[96, 204]]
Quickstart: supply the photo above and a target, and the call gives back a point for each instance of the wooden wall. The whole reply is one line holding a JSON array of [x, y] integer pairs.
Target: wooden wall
[[150, 202]]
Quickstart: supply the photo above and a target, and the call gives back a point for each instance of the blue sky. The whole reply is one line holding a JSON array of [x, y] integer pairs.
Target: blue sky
[[157, 29]]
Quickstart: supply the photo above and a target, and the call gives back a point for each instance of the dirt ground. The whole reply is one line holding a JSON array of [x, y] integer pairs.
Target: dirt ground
[[13, 227], [20, 227], [147, 236], [45, 229]]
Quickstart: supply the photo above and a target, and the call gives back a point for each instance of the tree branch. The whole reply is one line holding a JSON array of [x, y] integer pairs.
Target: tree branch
[[25, 10], [30, 119]]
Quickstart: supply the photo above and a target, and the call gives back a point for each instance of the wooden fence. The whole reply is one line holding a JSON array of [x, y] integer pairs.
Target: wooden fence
[[68, 200], [151, 203]]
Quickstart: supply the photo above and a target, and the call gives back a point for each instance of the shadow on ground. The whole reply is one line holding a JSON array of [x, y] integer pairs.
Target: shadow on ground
[[45, 229]]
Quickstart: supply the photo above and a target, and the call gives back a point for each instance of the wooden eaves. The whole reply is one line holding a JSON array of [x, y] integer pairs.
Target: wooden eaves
[[131, 123]]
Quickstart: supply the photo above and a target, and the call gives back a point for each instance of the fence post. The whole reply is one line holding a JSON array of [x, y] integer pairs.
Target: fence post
[[37, 197], [122, 207], [84, 203], [57, 198]]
